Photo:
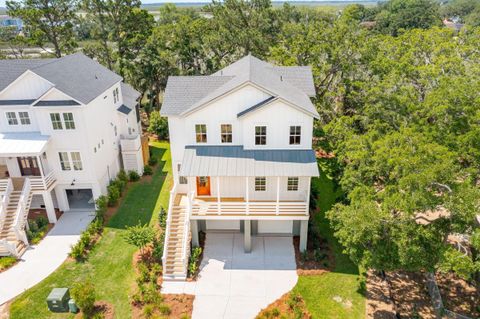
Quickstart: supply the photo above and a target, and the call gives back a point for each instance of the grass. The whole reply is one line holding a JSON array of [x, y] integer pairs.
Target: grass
[[109, 265], [7, 262], [345, 281]]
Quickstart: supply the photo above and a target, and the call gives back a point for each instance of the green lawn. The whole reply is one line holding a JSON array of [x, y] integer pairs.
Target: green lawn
[[109, 265], [345, 281]]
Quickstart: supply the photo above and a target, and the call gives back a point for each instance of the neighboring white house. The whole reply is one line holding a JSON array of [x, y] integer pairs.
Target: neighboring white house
[[241, 143], [67, 126]]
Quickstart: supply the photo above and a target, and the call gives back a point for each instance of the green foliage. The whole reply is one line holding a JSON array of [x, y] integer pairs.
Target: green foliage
[[467, 10], [152, 161], [194, 261], [158, 125], [122, 175], [162, 218], [84, 294], [48, 21], [139, 236], [133, 176], [147, 170], [157, 244], [101, 204], [7, 262], [113, 195], [37, 229], [459, 262]]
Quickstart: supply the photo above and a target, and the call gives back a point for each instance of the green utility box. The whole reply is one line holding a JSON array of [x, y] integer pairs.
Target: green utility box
[[57, 300]]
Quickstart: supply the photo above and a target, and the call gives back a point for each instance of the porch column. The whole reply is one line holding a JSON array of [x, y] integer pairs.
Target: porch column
[[247, 196], [278, 195], [303, 235], [47, 199], [218, 196], [194, 230], [40, 165], [247, 230]]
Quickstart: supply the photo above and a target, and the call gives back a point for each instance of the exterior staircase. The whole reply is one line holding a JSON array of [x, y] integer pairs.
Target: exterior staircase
[[14, 207], [177, 238]]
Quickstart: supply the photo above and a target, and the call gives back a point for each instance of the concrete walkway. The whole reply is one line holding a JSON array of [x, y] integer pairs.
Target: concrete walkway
[[236, 285], [41, 260]]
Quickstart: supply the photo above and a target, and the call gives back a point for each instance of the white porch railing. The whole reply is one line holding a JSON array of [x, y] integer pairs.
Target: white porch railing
[[42, 183], [22, 213], [4, 202], [186, 232], [168, 226]]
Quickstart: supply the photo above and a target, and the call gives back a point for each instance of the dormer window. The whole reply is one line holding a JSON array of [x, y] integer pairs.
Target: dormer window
[[12, 118], [260, 135], [201, 133]]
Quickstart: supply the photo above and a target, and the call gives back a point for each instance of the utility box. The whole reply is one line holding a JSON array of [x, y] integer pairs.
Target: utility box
[[57, 300], [72, 306]]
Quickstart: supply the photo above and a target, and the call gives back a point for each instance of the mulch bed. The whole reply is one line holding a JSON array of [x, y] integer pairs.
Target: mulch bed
[[310, 266], [34, 213], [379, 304], [282, 307], [458, 295], [103, 308]]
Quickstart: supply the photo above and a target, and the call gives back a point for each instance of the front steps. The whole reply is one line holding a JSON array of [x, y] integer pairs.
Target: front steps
[[174, 267], [13, 239]]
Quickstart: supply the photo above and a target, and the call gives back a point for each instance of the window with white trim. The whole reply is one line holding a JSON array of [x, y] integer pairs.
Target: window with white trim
[[260, 184], [56, 121], [24, 118], [12, 118], [226, 133], [76, 161], [68, 120], [201, 133], [292, 184], [64, 161], [181, 179], [295, 135], [260, 135]]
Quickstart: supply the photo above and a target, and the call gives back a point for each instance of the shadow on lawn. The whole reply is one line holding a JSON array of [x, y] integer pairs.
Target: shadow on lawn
[[141, 198]]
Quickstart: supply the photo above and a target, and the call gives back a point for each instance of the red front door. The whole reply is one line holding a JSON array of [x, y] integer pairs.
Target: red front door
[[203, 185]]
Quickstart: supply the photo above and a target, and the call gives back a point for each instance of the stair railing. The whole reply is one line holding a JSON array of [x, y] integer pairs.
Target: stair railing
[[4, 202], [186, 232], [22, 213], [168, 226]]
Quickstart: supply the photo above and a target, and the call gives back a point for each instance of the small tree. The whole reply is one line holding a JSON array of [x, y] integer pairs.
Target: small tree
[[158, 125], [140, 236], [84, 294]]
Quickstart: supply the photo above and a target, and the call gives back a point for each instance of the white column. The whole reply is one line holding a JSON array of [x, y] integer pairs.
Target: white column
[[247, 196], [194, 230], [247, 236], [218, 196], [62, 199], [278, 195], [40, 166], [47, 199], [307, 199], [303, 235]]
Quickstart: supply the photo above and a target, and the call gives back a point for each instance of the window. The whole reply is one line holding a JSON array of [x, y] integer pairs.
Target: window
[[181, 179], [115, 130], [260, 184], [115, 96], [226, 133], [12, 118], [260, 135], [295, 134], [201, 133], [68, 119], [56, 121], [76, 161], [292, 184], [64, 162], [24, 118]]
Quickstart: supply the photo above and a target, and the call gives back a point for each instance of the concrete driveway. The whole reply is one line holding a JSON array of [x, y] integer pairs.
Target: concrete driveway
[[41, 260], [233, 284]]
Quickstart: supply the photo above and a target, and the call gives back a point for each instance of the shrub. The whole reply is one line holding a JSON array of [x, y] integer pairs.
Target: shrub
[[78, 251], [157, 252], [7, 262], [151, 294], [152, 161], [95, 227], [85, 239], [162, 218], [133, 176], [139, 236], [275, 312], [122, 175], [113, 195], [164, 309], [84, 295], [193, 262], [42, 221], [148, 311], [119, 183], [147, 170], [158, 125], [101, 203]]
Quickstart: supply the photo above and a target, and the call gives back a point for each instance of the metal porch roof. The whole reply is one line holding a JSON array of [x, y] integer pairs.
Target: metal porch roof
[[22, 143]]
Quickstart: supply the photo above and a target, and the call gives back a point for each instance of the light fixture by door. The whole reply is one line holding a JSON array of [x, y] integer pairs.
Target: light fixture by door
[[73, 183]]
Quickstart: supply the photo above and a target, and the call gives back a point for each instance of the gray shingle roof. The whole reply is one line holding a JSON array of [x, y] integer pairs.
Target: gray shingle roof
[[56, 103], [178, 98], [76, 75], [130, 96]]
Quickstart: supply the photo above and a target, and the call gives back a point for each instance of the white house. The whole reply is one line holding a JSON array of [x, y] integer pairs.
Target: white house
[[241, 153], [67, 126]]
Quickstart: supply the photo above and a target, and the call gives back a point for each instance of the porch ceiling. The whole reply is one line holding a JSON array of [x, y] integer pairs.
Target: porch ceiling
[[22, 144], [235, 161]]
